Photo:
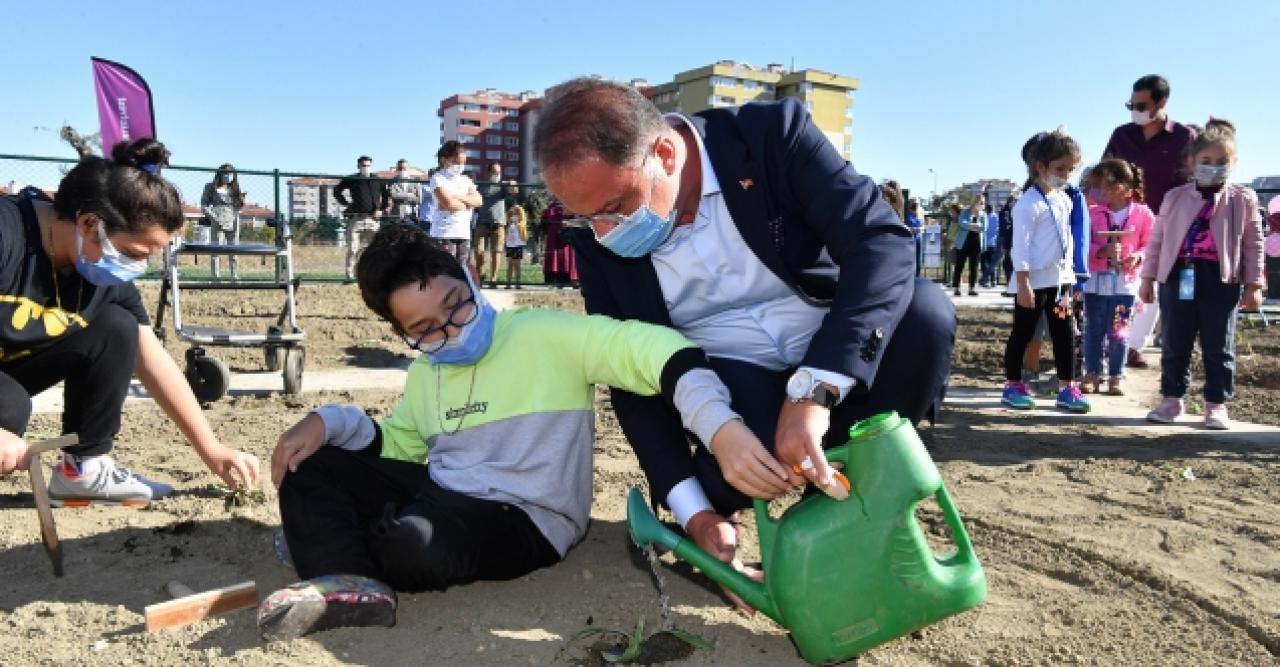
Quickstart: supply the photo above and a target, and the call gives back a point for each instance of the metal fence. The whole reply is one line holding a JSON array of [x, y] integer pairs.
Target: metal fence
[[318, 253], [318, 243]]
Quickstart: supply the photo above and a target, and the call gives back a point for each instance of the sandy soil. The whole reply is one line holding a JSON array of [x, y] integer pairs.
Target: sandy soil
[[1098, 548]]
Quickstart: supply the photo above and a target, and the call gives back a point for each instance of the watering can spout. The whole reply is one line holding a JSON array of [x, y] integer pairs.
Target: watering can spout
[[646, 530]]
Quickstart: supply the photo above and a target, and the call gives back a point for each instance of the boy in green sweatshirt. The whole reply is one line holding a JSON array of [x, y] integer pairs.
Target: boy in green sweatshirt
[[484, 469]]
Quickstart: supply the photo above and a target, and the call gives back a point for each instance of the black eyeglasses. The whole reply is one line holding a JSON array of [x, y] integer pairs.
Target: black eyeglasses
[[455, 319], [1140, 106]]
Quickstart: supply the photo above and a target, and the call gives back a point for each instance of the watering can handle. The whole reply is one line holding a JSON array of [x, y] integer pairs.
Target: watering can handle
[[766, 525]]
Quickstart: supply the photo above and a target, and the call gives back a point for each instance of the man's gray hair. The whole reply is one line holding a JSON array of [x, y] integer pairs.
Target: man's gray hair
[[593, 117]]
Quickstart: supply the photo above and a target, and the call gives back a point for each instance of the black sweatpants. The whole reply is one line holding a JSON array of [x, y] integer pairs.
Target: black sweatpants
[[357, 513], [1211, 316], [94, 364], [912, 380], [971, 250], [1024, 329]]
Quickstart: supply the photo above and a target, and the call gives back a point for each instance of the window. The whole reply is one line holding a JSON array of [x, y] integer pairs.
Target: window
[[494, 125], [721, 101], [750, 85], [493, 140], [513, 141], [468, 122], [493, 155], [467, 138], [511, 171], [768, 87], [514, 113], [513, 127], [511, 157], [473, 154], [470, 107]]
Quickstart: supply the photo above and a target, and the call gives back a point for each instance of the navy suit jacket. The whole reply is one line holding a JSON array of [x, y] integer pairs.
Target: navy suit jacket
[[807, 216]]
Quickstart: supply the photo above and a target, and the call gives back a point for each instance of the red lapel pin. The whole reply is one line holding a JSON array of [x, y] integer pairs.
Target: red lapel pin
[[746, 183]]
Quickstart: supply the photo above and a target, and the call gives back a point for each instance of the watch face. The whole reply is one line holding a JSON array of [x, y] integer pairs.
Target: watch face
[[800, 384]]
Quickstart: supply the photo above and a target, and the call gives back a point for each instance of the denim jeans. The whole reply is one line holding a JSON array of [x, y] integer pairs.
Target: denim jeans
[[1106, 322], [1212, 316]]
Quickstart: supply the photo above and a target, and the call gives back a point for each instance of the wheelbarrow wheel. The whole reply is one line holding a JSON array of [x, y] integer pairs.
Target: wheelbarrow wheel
[[272, 353], [294, 359], [209, 377]]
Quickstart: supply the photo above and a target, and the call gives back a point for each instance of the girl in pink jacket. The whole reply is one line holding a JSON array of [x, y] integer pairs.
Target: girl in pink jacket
[[1206, 253], [1121, 227]]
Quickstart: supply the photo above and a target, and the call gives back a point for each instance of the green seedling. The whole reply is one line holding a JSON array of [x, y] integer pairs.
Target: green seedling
[[245, 497], [637, 648]]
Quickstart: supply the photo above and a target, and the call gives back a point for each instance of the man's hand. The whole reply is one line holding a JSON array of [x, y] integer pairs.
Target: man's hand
[[1252, 297], [226, 463], [1146, 291], [295, 446], [799, 437], [747, 465], [718, 536], [13, 453]]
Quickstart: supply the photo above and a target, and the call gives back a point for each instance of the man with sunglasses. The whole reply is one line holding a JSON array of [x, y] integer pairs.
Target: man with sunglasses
[[506, 486], [746, 230], [1156, 144]]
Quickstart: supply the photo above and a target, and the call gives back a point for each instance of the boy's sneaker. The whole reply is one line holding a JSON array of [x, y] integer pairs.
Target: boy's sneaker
[[1017, 396], [98, 480], [1167, 411], [1071, 400], [1215, 416], [323, 603]]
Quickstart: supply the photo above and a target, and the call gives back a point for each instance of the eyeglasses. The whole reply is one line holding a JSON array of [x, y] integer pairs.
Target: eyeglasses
[[1140, 106], [601, 224], [456, 319]]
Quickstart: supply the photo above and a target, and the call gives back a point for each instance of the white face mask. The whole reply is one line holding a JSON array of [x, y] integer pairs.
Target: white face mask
[[1209, 175], [403, 173], [1054, 181], [364, 171], [453, 170]]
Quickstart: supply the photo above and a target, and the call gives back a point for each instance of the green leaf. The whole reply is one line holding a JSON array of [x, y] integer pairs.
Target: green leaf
[[633, 647], [692, 639]]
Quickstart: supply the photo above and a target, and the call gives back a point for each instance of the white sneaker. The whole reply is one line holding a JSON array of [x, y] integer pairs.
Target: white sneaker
[[99, 480], [1215, 417]]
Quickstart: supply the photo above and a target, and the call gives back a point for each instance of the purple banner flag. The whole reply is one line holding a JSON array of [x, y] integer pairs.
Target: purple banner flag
[[124, 104]]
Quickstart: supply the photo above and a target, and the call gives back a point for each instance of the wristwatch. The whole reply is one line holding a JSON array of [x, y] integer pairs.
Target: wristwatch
[[804, 387]]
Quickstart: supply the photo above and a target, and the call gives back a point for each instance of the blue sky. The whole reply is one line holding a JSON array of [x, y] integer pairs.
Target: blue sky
[[952, 85]]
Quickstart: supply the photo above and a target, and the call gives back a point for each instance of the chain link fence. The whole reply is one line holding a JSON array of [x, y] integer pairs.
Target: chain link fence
[[305, 200]]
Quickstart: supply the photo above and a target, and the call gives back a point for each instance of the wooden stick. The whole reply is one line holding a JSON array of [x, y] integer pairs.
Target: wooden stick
[[48, 530], [200, 606]]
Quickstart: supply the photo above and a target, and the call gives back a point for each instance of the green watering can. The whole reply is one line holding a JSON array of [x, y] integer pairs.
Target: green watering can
[[846, 576]]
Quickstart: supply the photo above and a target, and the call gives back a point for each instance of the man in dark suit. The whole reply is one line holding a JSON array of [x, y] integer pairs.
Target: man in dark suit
[[747, 231]]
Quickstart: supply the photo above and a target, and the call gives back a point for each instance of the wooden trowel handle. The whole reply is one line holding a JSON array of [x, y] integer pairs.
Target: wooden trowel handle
[[38, 448]]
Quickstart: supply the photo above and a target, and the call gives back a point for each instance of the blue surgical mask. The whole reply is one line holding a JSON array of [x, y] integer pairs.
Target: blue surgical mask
[[473, 340], [640, 233], [113, 268], [1209, 175]]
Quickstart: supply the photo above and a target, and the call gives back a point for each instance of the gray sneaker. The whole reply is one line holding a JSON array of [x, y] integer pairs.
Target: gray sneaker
[[99, 480]]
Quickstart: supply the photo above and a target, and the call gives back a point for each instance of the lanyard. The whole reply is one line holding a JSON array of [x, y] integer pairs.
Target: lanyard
[[1062, 240]]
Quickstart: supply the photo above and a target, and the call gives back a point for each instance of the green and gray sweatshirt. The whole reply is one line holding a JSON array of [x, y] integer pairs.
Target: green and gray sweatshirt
[[518, 426]]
